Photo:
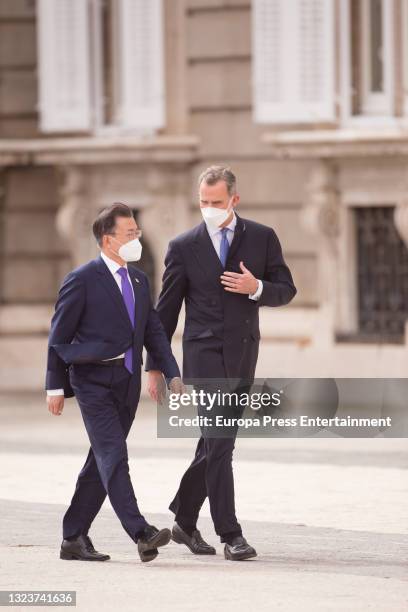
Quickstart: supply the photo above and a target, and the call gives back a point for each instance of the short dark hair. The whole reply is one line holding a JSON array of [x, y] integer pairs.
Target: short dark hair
[[105, 222]]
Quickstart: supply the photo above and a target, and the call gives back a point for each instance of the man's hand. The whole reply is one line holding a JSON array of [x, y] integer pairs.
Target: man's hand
[[156, 385], [55, 404], [240, 283], [176, 386]]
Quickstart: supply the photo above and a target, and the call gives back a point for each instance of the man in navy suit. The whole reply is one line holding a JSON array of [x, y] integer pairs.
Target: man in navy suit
[[224, 270], [103, 318]]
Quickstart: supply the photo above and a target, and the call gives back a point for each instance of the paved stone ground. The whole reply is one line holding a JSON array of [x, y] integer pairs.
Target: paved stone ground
[[327, 516]]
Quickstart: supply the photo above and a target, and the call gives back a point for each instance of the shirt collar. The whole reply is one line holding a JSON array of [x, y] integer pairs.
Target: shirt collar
[[112, 265], [230, 226]]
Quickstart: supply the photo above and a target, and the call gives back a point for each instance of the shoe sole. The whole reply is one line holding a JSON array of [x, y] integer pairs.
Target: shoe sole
[[178, 540], [243, 557], [148, 555], [160, 539], [72, 557]]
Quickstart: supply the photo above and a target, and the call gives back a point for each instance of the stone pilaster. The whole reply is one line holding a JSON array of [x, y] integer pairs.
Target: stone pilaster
[[321, 218], [75, 214], [168, 212]]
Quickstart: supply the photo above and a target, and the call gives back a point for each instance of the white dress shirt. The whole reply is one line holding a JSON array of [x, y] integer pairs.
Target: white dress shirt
[[113, 268], [216, 236]]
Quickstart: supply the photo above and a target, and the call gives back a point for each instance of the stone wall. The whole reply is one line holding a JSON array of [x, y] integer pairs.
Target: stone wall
[[18, 72], [213, 64], [34, 260]]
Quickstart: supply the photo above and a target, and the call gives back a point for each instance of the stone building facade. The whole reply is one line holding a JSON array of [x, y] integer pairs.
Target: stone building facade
[[128, 100]]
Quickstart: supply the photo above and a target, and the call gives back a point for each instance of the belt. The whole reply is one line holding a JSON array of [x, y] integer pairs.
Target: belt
[[111, 362]]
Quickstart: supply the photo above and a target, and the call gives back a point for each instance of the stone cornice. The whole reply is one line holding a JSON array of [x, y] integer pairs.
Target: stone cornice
[[98, 150], [337, 143]]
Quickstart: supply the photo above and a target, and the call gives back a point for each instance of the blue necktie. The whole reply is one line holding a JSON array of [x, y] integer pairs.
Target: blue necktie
[[224, 246], [130, 307]]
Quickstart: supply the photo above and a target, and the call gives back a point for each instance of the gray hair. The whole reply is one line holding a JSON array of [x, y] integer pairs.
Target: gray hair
[[213, 174]]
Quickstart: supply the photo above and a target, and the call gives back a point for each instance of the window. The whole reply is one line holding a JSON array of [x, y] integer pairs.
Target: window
[[382, 273], [367, 59], [295, 64], [293, 61], [373, 55], [100, 65]]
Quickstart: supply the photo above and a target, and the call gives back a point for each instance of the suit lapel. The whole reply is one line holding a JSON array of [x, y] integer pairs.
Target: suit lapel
[[112, 288], [236, 241], [137, 290], [206, 254]]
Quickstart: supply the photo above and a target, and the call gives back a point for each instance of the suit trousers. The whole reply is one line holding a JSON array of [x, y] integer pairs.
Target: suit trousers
[[210, 473], [101, 394]]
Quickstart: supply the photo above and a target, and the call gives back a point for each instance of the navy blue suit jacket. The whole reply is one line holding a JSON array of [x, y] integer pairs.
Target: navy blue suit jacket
[[91, 323]]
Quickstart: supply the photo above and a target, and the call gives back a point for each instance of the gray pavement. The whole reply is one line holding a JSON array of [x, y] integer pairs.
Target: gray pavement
[[328, 519]]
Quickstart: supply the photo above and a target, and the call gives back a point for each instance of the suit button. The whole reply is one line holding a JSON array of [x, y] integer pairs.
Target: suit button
[[246, 320], [244, 339]]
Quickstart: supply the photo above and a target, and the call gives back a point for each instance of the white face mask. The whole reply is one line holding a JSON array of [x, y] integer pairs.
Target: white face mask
[[130, 251], [214, 217]]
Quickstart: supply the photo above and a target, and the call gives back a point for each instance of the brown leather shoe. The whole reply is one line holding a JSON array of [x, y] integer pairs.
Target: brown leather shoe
[[195, 542], [81, 549]]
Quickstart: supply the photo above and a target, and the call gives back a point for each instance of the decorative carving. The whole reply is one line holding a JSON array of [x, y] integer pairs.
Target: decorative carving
[[321, 217], [168, 210], [74, 217], [320, 214]]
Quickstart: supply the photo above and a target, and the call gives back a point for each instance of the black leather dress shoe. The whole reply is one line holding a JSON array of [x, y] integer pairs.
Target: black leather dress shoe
[[150, 541], [195, 542], [239, 549], [81, 549]]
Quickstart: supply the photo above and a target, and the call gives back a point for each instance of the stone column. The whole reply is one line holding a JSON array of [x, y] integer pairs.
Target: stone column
[[168, 187], [75, 215], [320, 216], [176, 66]]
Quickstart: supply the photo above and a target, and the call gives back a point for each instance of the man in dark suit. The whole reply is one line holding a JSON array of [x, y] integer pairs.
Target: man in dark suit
[[224, 270], [103, 318]]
